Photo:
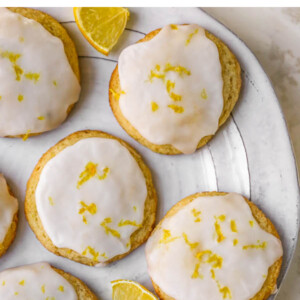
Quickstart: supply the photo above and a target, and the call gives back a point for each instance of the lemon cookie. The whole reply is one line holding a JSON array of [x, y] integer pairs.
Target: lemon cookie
[[175, 88], [91, 198], [41, 281], [214, 246], [8, 216], [39, 72]]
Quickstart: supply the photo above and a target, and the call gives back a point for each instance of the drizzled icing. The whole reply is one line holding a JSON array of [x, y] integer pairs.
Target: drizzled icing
[[37, 82], [8, 208], [172, 87], [37, 281], [90, 198], [221, 256]]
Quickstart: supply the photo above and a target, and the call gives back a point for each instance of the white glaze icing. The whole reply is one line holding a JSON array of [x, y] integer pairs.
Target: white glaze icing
[[73, 214], [37, 82], [38, 281], [8, 208], [239, 268], [145, 101]]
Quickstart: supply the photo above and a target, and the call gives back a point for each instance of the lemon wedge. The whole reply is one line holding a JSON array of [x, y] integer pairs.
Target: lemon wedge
[[101, 26], [130, 290]]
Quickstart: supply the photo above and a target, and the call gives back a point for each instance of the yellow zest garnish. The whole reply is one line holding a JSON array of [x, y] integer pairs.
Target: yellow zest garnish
[[41, 118], [43, 289], [154, 74], [54, 82], [128, 222], [22, 282], [20, 98], [92, 251], [225, 291], [196, 272], [26, 135], [109, 230], [222, 218], [128, 244], [264, 276], [213, 275], [61, 288], [235, 242], [233, 226], [170, 85], [0, 97], [89, 172], [32, 76], [51, 201], [104, 255], [174, 27], [157, 67], [21, 39], [196, 214], [84, 220], [116, 94], [191, 36], [177, 109], [16, 293], [192, 245], [203, 94], [13, 59], [167, 237], [92, 208], [134, 208], [154, 106], [175, 97], [215, 260], [251, 223], [219, 233], [178, 69], [3, 282], [262, 245]]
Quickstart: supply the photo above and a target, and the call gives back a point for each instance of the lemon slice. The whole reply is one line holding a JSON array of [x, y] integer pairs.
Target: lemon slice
[[130, 290], [101, 26]]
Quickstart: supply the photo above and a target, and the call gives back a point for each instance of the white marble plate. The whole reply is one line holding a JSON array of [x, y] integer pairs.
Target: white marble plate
[[251, 154]]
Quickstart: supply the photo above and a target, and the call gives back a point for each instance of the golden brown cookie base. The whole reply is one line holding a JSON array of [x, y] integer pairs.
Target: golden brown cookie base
[[137, 238], [270, 283], [57, 30], [231, 74]]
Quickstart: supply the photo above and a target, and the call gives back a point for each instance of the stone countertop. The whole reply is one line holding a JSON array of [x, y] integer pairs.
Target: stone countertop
[[273, 34]]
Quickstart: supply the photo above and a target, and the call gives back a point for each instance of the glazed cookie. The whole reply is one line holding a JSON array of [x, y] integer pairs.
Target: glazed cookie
[[91, 198], [39, 72], [173, 89], [8, 216], [214, 246], [41, 281]]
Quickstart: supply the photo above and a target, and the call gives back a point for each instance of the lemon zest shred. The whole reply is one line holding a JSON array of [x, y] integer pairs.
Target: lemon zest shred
[[251, 222], [233, 226], [167, 237], [262, 245], [174, 27], [109, 230], [154, 106], [41, 118], [92, 251], [203, 94], [192, 245], [43, 289], [128, 222], [20, 98], [35, 77], [176, 108], [191, 36], [196, 214], [178, 69], [26, 135], [22, 282], [61, 288], [235, 242]]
